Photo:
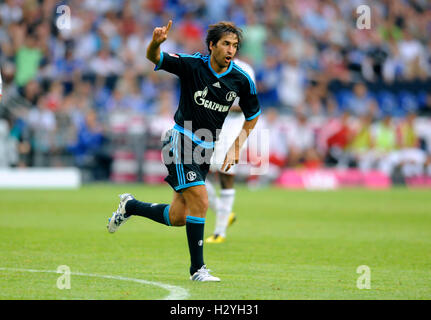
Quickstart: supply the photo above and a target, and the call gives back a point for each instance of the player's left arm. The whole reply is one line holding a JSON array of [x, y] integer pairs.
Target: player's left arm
[[233, 154], [250, 107]]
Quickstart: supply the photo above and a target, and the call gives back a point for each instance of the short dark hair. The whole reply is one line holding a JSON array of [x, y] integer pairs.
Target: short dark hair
[[218, 30]]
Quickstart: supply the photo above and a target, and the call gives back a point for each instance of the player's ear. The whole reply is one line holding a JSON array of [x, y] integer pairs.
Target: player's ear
[[211, 45]]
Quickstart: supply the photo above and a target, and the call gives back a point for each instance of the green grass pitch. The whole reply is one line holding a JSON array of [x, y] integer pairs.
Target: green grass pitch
[[284, 245]]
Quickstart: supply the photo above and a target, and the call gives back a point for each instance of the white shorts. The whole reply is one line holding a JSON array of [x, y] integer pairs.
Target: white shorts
[[231, 128]]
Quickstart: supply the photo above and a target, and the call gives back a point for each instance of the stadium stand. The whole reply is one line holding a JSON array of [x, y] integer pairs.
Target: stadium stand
[[86, 95]]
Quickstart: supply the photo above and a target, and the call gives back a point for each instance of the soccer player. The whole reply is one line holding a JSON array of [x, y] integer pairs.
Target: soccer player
[[222, 205], [209, 86]]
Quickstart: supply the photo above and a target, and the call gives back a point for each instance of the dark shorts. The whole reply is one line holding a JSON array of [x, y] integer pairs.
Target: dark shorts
[[187, 162]]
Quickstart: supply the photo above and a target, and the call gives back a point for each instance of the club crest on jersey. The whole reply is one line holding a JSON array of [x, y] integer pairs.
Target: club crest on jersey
[[191, 175], [231, 95], [200, 100]]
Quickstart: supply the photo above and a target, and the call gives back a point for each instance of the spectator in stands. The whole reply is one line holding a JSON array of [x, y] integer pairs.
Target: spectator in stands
[[8, 152], [10, 11], [19, 105], [105, 64], [162, 121], [377, 52], [410, 158], [412, 54], [21, 136], [393, 67], [28, 59], [385, 144], [384, 135], [361, 102], [65, 132], [192, 33], [255, 33], [361, 145], [42, 124], [301, 143], [300, 62], [129, 91], [338, 142], [278, 146], [425, 108], [91, 149], [290, 87], [267, 81], [10, 93], [54, 97], [68, 69], [268, 153]]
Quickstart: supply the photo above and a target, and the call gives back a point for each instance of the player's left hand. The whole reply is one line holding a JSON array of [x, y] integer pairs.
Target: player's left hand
[[232, 158]]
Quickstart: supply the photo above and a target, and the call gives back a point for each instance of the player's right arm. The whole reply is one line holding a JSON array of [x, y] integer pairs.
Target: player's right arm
[[177, 64], [160, 34]]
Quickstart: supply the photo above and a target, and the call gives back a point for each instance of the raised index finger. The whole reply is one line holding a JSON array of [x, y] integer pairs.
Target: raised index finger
[[168, 26]]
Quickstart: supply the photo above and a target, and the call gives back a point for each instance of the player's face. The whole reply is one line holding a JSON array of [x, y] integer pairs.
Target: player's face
[[225, 49]]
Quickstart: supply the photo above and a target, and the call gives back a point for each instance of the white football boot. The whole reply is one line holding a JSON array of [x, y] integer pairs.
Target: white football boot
[[118, 217], [203, 274]]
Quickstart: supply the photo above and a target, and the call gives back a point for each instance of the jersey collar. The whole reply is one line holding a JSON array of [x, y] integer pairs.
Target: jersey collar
[[221, 74]]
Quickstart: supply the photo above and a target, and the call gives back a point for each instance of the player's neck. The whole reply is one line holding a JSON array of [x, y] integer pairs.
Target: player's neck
[[216, 67]]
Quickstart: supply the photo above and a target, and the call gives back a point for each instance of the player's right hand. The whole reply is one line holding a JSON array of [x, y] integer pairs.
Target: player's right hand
[[160, 34]]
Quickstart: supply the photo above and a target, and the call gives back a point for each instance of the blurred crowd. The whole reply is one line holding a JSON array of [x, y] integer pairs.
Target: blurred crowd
[[347, 96]]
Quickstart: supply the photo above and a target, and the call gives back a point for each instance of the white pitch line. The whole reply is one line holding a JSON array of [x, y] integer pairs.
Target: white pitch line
[[175, 292]]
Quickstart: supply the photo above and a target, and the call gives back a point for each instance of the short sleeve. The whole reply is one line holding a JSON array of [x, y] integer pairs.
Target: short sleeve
[[178, 64], [171, 62], [249, 102]]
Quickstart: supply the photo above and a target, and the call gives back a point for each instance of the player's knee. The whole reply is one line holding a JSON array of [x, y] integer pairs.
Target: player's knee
[[177, 217], [178, 221]]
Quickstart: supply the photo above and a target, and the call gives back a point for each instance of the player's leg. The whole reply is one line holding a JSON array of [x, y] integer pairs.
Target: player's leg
[[213, 199], [228, 195], [168, 214], [226, 180], [225, 215], [173, 214], [196, 199], [178, 210], [162, 213], [154, 211]]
